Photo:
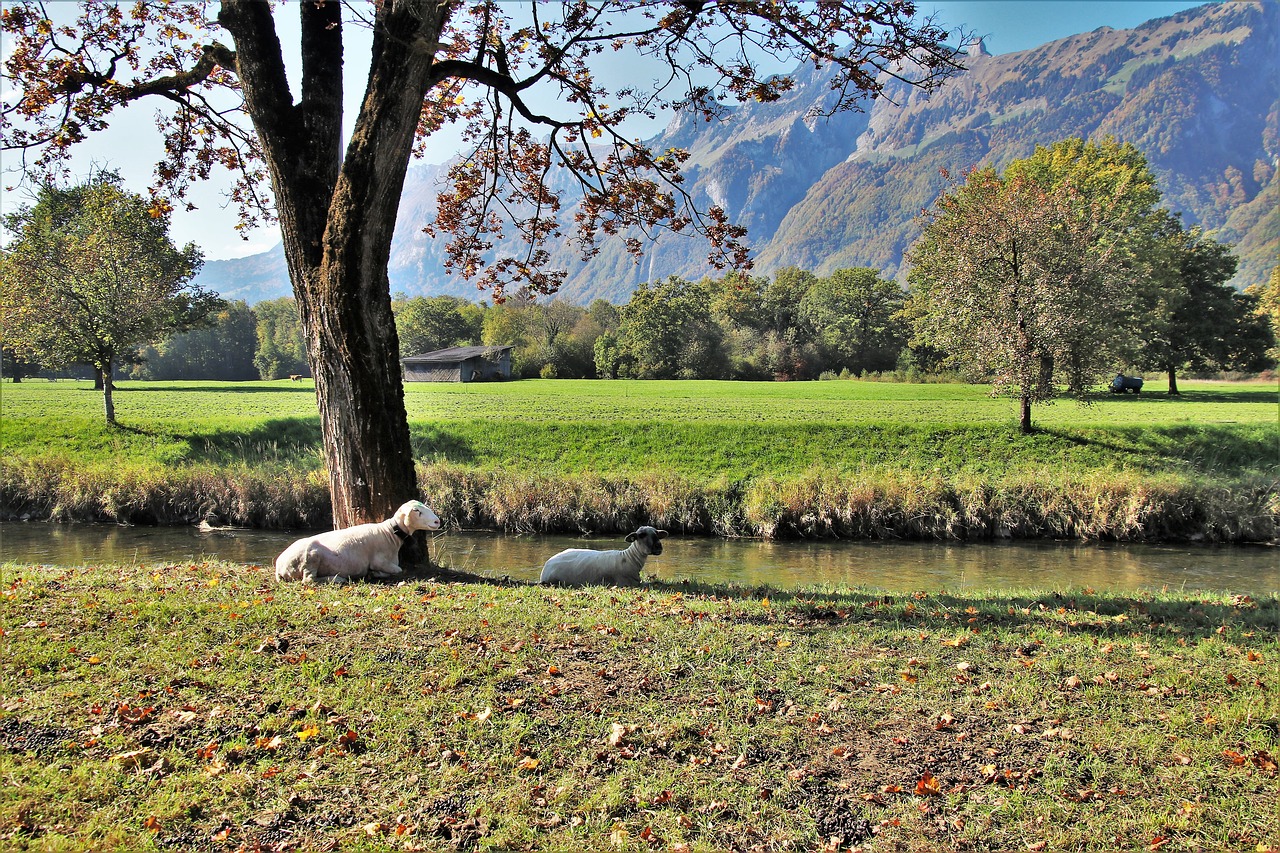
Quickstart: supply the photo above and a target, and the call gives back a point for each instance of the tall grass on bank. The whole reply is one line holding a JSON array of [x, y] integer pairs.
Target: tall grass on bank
[[877, 504], [200, 706], [239, 496]]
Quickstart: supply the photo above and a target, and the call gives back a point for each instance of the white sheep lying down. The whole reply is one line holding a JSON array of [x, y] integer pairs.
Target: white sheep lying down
[[354, 552], [581, 566]]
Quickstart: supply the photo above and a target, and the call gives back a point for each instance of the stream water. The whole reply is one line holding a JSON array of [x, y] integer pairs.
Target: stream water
[[890, 566]]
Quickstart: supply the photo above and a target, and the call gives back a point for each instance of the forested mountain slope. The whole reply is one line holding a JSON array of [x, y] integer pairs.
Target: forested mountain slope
[[1198, 93]]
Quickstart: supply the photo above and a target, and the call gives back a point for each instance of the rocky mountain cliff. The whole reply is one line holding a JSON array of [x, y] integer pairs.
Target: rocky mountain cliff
[[1198, 93]]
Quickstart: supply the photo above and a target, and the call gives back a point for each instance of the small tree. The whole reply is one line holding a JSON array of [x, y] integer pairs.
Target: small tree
[[92, 275], [1194, 314], [1030, 278]]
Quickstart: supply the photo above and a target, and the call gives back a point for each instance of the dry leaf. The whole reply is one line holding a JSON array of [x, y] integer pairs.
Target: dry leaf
[[928, 786], [618, 732]]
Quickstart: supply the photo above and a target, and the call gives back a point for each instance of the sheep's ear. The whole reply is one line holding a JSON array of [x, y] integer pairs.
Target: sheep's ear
[[662, 534], [631, 537]]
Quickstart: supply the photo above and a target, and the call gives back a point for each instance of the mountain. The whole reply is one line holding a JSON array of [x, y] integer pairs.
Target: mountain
[[1198, 93]]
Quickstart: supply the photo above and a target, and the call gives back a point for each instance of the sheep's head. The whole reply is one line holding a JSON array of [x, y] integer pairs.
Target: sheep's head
[[415, 515], [650, 539]]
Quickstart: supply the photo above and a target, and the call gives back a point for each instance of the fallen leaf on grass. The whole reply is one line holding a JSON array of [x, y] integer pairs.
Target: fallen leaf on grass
[[928, 786], [308, 733], [152, 823], [618, 733], [145, 760]]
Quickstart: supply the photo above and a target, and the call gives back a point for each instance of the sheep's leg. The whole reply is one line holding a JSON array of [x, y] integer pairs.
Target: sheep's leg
[[385, 569]]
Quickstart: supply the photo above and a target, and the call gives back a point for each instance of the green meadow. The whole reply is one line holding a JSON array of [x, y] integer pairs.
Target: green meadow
[[838, 458]]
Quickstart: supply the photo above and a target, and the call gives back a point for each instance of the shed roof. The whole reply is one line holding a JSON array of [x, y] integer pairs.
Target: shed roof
[[456, 354]]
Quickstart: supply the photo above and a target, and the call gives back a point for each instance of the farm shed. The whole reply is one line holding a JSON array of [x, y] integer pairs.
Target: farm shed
[[459, 364]]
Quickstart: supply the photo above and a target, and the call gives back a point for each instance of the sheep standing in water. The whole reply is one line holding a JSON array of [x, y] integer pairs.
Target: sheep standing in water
[[354, 552], [581, 566]]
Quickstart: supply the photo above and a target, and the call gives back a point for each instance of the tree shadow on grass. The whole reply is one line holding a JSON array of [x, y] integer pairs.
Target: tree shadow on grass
[[1103, 615], [1203, 396], [1216, 448], [220, 388], [280, 440], [437, 445]]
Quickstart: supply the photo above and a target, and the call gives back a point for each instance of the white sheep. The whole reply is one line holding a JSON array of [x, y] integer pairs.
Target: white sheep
[[580, 566], [353, 552]]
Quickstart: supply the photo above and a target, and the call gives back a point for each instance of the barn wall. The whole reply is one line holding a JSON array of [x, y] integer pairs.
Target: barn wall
[[433, 373]]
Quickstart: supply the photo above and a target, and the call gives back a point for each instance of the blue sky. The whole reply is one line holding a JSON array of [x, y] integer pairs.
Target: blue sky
[[1011, 25], [132, 146]]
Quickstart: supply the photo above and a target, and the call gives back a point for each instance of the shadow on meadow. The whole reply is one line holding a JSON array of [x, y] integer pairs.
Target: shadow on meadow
[[222, 388], [807, 610], [1103, 614], [1200, 447], [278, 440], [1202, 396], [433, 443]]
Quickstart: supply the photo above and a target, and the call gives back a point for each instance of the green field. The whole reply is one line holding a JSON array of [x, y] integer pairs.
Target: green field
[[805, 458], [204, 707]]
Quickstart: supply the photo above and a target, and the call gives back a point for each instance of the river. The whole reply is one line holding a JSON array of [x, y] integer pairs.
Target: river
[[890, 566]]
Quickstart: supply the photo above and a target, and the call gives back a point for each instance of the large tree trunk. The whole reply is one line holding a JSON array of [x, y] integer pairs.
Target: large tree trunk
[[1024, 421], [1173, 382], [337, 216]]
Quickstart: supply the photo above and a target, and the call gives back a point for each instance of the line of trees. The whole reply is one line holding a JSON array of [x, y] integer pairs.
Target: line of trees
[[793, 325]]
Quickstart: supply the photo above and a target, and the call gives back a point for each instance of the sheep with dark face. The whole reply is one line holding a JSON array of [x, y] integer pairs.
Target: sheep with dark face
[[354, 552], [582, 566]]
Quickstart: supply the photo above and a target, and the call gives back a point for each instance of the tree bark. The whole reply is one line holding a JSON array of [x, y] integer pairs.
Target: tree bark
[[1024, 422], [1173, 382], [337, 216], [1046, 374], [108, 402]]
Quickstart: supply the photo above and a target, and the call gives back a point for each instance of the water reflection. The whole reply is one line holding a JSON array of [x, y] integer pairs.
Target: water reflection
[[892, 566]]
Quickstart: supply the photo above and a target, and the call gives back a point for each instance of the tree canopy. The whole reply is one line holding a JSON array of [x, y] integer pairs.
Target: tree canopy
[[92, 275]]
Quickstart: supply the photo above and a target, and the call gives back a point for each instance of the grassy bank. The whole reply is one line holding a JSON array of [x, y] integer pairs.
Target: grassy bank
[[848, 459], [201, 706]]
